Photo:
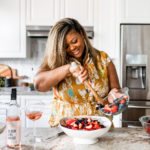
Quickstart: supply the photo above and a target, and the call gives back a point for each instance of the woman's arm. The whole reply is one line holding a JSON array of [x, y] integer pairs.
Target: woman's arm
[[112, 76], [45, 80]]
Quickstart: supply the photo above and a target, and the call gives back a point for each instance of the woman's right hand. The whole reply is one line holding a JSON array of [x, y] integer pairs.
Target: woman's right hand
[[82, 74]]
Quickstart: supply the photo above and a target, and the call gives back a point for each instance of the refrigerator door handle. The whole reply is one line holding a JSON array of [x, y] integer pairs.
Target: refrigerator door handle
[[137, 106], [133, 126]]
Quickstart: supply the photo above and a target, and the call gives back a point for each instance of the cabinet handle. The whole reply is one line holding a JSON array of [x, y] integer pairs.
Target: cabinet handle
[[136, 106]]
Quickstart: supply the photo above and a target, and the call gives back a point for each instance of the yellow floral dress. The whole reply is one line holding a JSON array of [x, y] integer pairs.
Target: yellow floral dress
[[72, 98]]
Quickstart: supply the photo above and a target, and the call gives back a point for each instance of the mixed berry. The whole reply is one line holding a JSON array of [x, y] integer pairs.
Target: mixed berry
[[86, 123], [117, 107], [147, 127]]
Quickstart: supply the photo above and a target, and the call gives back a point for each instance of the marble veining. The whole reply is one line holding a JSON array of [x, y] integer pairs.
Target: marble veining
[[115, 139]]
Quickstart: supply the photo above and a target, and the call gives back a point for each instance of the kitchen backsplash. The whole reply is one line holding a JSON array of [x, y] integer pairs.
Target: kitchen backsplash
[[30, 65]]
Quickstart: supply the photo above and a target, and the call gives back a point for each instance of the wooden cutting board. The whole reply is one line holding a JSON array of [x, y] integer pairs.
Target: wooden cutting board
[[6, 71]]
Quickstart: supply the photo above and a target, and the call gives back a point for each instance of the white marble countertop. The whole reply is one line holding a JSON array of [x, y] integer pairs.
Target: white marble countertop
[[115, 139]]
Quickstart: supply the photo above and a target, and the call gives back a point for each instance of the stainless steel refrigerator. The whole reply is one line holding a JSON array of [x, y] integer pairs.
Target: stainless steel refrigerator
[[135, 65]]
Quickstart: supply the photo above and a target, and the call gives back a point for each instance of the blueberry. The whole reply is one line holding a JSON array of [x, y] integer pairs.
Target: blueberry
[[85, 122], [77, 122], [121, 106], [99, 106]]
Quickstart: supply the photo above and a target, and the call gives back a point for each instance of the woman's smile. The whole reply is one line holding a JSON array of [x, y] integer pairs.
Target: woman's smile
[[76, 51]]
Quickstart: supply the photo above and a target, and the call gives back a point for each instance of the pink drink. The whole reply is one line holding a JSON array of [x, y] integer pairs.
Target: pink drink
[[35, 115], [13, 132]]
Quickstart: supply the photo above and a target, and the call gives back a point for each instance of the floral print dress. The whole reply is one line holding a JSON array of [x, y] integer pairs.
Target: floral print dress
[[72, 98]]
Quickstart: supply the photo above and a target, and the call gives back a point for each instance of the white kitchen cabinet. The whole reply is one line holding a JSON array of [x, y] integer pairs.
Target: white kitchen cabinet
[[82, 10], [47, 12], [23, 100], [135, 11], [43, 121], [41, 12], [12, 29], [4, 99], [105, 35], [117, 121]]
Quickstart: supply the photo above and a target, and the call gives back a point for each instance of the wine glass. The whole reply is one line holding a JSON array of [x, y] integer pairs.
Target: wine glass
[[3, 113], [34, 111]]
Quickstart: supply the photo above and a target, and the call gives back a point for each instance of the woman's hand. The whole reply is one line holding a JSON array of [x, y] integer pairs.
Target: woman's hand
[[81, 73], [113, 94]]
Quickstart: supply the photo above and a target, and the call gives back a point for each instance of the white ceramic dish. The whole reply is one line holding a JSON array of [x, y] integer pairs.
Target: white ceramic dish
[[87, 137]]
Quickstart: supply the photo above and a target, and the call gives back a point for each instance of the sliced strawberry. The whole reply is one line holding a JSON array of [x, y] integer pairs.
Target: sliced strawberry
[[96, 126], [122, 101], [73, 128], [114, 109], [107, 108], [95, 122], [75, 125], [89, 126], [125, 97], [80, 125], [70, 121]]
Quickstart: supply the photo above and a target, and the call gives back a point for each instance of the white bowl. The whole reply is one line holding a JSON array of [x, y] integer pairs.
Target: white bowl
[[87, 137]]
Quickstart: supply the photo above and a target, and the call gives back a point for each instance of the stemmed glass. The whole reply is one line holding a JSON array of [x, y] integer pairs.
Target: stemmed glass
[[3, 114], [34, 112]]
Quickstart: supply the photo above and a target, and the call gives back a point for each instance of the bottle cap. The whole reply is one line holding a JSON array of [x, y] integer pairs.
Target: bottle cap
[[13, 94]]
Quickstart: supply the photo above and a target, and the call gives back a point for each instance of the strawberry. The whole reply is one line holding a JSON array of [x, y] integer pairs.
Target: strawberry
[[114, 109], [70, 121], [73, 128], [80, 125], [125, 97], [122, 101], [107, 108], [96, 126], [75, 125], [89, 126]]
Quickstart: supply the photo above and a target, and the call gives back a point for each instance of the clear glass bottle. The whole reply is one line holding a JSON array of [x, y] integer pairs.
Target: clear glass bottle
[[13, 124]]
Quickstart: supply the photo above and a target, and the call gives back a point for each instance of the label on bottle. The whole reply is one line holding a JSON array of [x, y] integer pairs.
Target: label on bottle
[[13, 131]]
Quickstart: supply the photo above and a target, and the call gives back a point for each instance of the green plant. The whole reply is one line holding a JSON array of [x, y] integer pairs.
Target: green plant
[[2, 82]]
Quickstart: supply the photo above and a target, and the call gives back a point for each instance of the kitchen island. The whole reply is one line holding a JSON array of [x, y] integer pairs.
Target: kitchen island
[[115, 139]]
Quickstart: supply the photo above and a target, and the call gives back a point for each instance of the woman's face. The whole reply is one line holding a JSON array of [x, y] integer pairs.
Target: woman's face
[[74, 44]]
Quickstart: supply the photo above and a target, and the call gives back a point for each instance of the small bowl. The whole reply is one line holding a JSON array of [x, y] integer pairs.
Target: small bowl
[[120, 103], [86, 137], [145, 121]]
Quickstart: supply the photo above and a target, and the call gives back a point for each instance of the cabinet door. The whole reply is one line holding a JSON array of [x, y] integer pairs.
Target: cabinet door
[[134, 11], [82, 10], [41, 12], [105, 35], [43, 121], [4, 99], [12, 29], [47, 12]]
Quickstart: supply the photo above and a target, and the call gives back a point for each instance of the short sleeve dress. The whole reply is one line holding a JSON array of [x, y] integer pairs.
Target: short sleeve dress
[[72, 98]]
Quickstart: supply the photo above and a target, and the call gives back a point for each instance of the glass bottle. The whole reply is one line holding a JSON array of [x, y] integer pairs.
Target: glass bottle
[[13, 123]]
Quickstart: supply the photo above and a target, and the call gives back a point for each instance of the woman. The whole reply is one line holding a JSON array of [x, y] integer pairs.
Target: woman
[[68, 42]]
